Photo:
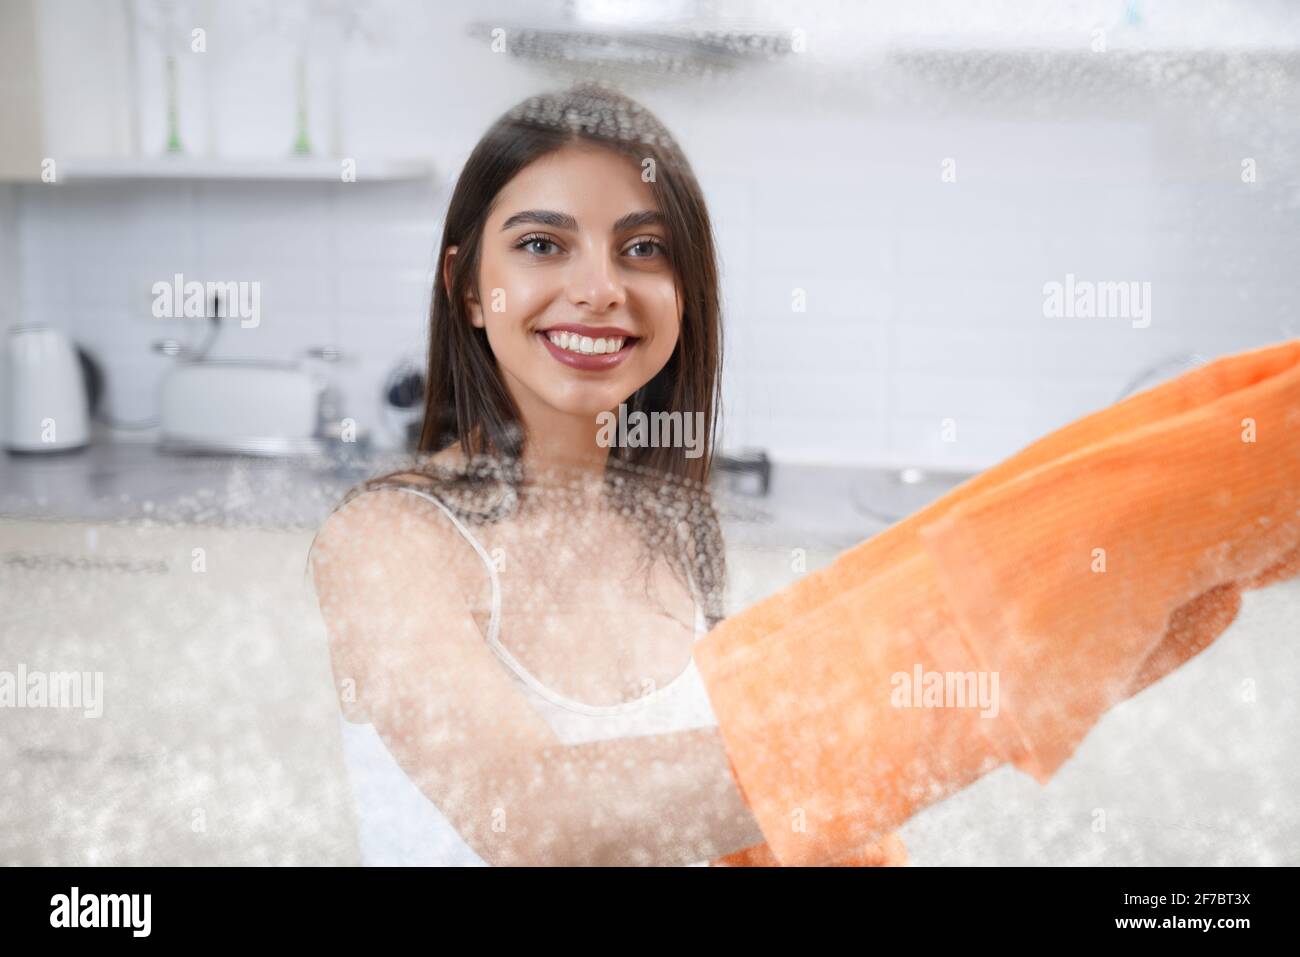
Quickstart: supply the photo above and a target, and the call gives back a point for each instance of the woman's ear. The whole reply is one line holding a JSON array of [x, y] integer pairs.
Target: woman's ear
[[471, 301]]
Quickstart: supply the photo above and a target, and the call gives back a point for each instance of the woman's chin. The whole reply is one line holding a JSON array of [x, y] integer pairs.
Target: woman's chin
[[591, 412], [590, 405]]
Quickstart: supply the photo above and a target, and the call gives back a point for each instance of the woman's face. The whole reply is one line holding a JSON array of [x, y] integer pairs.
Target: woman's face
[[575, 288]]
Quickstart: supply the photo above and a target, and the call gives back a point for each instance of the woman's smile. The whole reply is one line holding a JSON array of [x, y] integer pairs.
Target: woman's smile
[[590, 348]]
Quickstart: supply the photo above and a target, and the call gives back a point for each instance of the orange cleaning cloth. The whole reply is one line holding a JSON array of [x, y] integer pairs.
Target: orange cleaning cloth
[[1000, 622]]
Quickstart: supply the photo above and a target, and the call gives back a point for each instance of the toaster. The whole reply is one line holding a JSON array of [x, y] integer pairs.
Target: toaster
[[247, 406]]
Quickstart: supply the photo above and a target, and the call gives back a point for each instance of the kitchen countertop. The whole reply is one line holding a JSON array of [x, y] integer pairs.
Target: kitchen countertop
[[134, 481]]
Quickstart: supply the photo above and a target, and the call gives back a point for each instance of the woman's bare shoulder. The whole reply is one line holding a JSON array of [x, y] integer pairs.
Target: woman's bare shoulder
[[395, 523], [390, 571]]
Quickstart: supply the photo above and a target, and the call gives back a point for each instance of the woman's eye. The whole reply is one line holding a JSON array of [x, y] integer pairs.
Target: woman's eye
[[531, 242], [650, 246]]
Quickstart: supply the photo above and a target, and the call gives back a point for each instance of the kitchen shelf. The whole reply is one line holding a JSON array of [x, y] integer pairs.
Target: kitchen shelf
[[306, 168]]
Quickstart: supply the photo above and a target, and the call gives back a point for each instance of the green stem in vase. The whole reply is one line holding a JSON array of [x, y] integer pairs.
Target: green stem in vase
[[302, 142], [173, 110]]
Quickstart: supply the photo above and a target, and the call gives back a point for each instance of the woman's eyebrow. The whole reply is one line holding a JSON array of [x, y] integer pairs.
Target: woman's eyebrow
[[644, 217], [542, 217], [548, 217]]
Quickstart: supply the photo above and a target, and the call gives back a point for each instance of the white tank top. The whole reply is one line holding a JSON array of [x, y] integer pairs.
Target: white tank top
[[399, 826]]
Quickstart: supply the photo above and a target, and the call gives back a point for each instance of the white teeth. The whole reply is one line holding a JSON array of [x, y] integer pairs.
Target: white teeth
[[587, 345]]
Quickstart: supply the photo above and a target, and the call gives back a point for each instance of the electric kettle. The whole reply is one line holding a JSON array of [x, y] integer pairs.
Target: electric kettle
[[45, 403]]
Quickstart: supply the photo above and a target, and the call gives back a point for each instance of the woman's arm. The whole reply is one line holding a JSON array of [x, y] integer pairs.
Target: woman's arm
[[657, 799], [409, 658]]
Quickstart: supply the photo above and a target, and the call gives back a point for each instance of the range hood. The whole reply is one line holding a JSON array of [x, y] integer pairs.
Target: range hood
[[704, 36], [670, 37]]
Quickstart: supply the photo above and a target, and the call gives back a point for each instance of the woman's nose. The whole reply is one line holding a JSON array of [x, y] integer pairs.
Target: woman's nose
[[595, 283]]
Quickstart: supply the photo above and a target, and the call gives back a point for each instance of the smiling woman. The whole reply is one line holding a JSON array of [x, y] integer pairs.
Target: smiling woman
[[575, 214], [513, 619]]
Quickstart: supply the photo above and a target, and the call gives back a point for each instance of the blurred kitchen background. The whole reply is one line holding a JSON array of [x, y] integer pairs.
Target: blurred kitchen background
[[892, 186], [827, 142]]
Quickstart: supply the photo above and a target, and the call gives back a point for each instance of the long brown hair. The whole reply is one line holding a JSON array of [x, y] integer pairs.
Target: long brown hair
[[467, 403]]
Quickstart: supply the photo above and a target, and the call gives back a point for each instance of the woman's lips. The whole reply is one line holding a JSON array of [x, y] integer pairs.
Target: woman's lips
[[591, 362]]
